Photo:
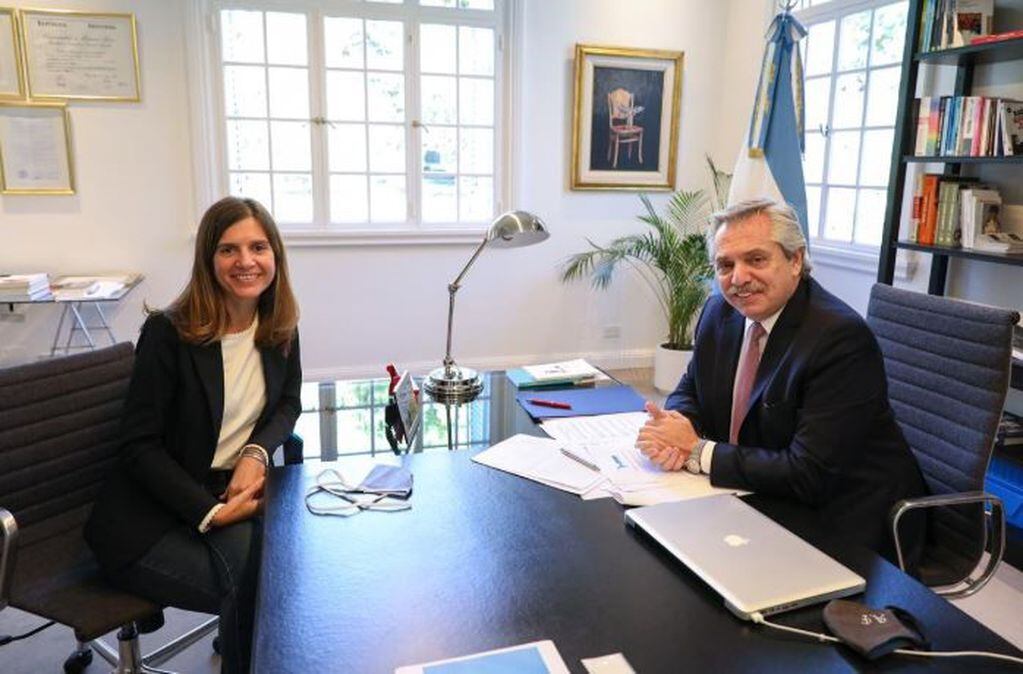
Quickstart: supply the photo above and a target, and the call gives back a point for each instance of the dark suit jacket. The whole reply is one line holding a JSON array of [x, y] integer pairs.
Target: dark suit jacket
[[169, 428], [819, 429]]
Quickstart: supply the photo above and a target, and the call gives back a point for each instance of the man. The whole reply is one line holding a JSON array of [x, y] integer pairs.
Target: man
[[786, 393]]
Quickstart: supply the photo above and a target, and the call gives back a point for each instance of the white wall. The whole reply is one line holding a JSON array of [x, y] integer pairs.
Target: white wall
[[364, 306]]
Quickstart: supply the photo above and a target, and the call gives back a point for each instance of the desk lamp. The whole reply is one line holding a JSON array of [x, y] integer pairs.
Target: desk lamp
[[454, 384]]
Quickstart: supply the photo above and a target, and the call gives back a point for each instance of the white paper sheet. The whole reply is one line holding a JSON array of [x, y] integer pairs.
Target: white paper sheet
[[540, 459]]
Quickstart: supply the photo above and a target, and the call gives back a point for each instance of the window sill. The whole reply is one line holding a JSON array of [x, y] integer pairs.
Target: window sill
[[381, 237], [860, 259]]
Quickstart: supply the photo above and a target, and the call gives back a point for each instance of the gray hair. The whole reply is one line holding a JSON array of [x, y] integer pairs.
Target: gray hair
[[785, 229]]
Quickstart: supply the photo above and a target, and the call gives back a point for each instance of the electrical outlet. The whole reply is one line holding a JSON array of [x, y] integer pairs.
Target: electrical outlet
[[612, 332]]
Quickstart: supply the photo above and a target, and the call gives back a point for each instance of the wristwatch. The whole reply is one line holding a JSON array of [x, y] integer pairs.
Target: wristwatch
[[693, 462]]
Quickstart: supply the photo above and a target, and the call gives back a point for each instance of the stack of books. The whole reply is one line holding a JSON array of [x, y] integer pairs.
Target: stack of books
[[946, 23], [1000, 242], [24, 287], [968, 126], [565, 373]]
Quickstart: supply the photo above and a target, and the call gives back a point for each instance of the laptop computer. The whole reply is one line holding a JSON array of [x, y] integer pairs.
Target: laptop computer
[[755, 564]]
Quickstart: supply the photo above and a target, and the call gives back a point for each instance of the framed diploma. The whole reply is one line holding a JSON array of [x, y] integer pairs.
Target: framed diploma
[[35, 149], [11, 84], [80, 55]]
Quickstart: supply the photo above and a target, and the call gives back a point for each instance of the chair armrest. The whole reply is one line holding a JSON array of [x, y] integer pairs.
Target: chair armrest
[[9, 528]]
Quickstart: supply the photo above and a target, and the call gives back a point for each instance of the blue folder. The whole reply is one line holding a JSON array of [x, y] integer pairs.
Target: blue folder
[[584, 401]]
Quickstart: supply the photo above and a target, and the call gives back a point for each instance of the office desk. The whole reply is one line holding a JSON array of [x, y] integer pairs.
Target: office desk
[[485, 560]]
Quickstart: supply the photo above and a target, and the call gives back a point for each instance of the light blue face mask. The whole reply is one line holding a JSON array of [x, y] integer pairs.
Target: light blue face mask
[[384, 489]]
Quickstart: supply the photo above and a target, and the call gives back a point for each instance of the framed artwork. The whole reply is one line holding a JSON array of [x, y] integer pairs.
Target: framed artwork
[[626, 118], [12, 86], [80, 55], [35, 149]]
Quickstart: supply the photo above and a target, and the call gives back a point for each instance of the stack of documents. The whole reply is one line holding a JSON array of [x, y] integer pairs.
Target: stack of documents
[[24, 287], [565, 373], [542, 460], [87, 288]]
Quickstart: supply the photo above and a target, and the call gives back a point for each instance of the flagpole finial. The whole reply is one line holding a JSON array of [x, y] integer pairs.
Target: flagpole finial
[[787, 5]]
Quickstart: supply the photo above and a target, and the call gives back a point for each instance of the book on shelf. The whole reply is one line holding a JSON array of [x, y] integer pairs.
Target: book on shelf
[[967, 126], [928, 209], [1009, 243], [978, 205], [1011, 124], [946, 24], [997, 37], [972, 19]]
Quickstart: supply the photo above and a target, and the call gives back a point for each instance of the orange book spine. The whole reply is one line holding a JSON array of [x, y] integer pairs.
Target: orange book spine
[[929, 210]]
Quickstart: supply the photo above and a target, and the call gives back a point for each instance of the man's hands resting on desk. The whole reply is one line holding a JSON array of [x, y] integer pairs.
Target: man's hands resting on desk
[[667, 438]]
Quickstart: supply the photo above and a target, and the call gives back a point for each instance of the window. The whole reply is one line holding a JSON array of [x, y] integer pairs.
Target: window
[[382, 114], [852, 58]]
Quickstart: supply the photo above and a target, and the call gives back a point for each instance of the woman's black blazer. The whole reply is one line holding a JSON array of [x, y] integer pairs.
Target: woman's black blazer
[[169, 430]]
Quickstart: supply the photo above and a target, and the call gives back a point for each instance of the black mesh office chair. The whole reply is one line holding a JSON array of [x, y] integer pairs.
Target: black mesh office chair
[[57, 443], [948, 365]]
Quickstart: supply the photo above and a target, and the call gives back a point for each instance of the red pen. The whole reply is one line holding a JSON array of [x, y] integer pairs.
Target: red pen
[[549, 403]]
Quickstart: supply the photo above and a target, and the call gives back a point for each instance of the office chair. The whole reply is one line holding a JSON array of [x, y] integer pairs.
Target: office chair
[[57, 444], [948, 364]]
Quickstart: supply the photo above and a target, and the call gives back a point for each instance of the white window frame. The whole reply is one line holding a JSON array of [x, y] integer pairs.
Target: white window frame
[[852, 256], [205, 87]]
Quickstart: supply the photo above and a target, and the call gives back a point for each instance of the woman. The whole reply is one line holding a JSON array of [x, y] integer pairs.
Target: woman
[[214, 391]]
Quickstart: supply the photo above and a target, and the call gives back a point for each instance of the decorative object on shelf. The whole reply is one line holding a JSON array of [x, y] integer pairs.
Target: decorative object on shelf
[[453, 384], [626, 118], [80, 55], [12, 86], [35, 149], [672, 260]]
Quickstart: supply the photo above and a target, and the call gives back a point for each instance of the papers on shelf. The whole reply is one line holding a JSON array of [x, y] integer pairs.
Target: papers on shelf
[[24, 287], [540, 459]]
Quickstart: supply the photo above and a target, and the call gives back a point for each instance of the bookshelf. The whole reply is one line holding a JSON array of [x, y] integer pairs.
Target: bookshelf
[[964, 60]]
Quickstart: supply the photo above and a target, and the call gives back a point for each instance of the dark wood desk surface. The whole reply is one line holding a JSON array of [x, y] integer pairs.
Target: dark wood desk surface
[[486, 560]]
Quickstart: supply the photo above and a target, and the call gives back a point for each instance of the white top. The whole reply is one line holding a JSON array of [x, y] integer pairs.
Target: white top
[[244, 395]]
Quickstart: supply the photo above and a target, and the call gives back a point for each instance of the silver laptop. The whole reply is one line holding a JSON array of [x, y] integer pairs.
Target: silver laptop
[[755, 564]]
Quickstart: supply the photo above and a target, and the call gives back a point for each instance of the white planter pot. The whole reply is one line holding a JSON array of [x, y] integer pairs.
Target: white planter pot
[[669, 364]]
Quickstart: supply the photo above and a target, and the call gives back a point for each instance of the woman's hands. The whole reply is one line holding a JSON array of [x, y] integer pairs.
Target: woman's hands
[[244, 495]]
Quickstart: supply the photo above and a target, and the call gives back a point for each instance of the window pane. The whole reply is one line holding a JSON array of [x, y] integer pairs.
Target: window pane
[[346, 96], [821, 48], [883, 96], [813, 209], [838, 223], [290, 142], [437, 48], [343, 42], [386, 149], [286, 38], [245, 91], [816, 94], [439, 96], [475, 51], [440, 150], [241, 36], [853, 39], [293, 198], [475, 199], [849, 92], [347, 147], [252, 186], [387, 198], [813, 158], [476, 150], [248, 146], [384, 45], [461, 4], [889, 34], [843, 158], [439, 201], [476, 101], [289, 93], [349, 201], [877, 157], [386, 95], [353, 431], [870, 216]]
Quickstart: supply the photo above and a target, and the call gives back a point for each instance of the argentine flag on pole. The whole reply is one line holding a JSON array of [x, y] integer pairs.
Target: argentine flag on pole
[[770, 163]]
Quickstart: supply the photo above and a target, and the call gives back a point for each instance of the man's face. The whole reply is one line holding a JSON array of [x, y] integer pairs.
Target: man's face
[[755, 276]]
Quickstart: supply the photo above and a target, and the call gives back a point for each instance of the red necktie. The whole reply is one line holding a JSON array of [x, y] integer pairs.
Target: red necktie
[[744, 377]]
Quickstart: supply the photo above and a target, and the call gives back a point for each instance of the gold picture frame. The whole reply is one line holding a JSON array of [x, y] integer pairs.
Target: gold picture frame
[[58, 67], [626, 118], [12, 74], [35, 148]]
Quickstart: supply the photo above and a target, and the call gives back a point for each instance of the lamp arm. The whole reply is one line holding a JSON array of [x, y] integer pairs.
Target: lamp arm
[[452, 289]]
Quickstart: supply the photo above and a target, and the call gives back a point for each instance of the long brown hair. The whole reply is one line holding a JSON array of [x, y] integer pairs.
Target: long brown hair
[[200, 313]]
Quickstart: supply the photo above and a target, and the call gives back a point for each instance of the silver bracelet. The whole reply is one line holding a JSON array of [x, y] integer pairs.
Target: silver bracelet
[[256, 452]]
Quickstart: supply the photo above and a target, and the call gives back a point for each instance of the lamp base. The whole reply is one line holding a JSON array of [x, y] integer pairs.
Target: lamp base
[[453, 385]]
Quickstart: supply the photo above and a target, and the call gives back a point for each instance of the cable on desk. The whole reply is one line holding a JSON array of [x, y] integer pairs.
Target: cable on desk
[[820, 636]]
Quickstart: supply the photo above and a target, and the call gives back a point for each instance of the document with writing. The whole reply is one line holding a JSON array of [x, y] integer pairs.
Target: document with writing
[[542, 460]]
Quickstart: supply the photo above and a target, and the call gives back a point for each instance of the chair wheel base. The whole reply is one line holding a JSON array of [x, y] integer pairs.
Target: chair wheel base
[[78, 661]]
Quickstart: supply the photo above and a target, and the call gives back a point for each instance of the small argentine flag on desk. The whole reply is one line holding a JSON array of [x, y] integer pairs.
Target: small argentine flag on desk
[[770, 164]]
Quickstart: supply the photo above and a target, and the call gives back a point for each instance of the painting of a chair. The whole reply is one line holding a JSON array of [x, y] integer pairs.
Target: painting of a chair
[[622, 129]]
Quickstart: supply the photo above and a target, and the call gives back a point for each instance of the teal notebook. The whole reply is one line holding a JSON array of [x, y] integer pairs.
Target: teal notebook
[[523, 379]]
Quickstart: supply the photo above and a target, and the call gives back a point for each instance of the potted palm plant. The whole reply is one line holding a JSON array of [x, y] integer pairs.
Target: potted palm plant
[[671, 257]]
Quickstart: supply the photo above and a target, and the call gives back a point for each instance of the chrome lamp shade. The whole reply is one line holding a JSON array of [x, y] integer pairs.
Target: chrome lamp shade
[[451, 384]]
